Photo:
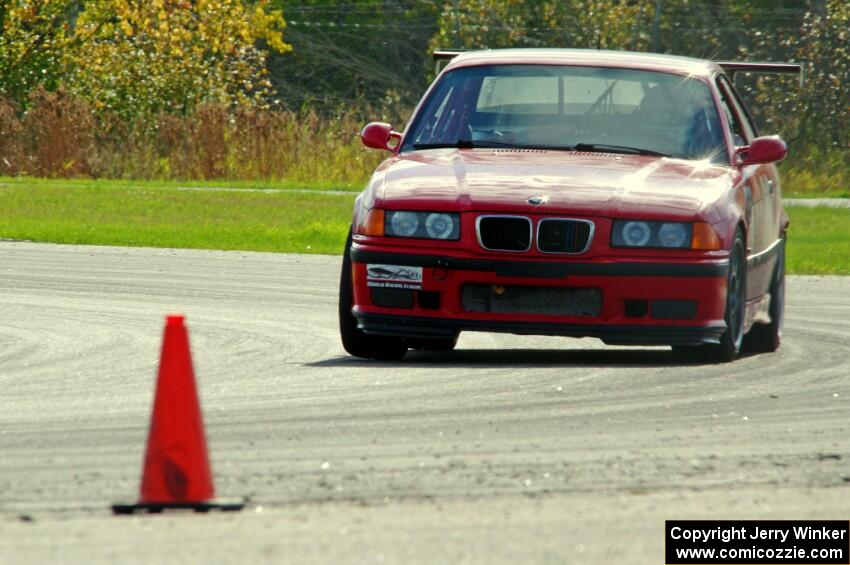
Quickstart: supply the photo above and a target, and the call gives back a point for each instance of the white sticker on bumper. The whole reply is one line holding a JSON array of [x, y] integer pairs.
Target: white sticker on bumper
[[394, 276]]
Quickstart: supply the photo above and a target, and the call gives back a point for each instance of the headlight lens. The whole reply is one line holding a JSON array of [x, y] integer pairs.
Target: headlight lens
[[673, 235], [427, 225], [439, 226], [636, 233], [403, 224]]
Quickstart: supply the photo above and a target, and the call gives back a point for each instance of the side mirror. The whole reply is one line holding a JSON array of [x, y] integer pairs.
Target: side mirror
[[768, 149], [379, 135]]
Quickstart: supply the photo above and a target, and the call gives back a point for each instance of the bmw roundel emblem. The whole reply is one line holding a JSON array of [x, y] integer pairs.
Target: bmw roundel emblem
[[537, 200]]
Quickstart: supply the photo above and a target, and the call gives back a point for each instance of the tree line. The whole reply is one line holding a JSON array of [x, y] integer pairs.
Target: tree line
[[128, 68], [379, 50]]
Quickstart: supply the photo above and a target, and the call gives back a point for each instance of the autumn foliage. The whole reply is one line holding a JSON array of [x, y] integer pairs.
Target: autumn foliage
[[142, 58], [228, 89]]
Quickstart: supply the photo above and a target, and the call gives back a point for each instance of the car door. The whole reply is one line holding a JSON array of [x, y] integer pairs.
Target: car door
[[762, 194]]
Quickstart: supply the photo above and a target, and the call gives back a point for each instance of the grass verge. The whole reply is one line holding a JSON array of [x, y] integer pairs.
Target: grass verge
[[147, 214], [150, 215], [819, 241], [41, 183]]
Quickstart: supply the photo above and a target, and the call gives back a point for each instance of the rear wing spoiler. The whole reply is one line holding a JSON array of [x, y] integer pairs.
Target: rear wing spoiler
[[444, 55], [734, 67], [731, 68]]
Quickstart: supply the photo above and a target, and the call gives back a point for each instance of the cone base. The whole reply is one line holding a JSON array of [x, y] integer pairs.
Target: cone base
[[223, 504]]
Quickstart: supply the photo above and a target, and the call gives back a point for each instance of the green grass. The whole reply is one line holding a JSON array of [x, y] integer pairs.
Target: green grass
[[160, 184], [152, 216], [148, 214], [819, 241]]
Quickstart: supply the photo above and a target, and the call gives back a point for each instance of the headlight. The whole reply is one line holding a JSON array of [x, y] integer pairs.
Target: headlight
[[673, 235], [427, 225], [636, 233], [403, 224], [439, 226]]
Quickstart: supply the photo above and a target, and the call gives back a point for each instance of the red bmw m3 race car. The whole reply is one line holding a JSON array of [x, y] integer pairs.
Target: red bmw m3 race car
[[617, 195]]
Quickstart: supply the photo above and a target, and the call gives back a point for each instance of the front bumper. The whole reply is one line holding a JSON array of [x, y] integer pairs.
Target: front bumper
[[620, 319], [416, 327]]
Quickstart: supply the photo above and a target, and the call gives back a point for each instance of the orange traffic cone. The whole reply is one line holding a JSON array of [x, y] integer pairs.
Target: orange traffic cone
[[177, 472]]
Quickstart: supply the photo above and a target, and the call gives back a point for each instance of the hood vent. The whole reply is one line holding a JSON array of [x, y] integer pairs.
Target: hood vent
[[596, 154], [578, 153]]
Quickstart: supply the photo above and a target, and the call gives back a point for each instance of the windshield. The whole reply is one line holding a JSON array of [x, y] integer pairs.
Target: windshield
[[561, 107]]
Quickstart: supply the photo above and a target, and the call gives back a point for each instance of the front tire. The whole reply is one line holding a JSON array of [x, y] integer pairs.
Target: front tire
[[354, 340], [736, 307], [766, 338]]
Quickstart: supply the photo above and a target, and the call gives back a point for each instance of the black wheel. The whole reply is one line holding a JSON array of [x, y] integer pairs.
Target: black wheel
[[354, 340], [736, 303], [766, 338]]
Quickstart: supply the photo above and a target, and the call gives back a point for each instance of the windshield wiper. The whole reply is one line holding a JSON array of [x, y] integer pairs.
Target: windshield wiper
[[465, 144], [604, 147]]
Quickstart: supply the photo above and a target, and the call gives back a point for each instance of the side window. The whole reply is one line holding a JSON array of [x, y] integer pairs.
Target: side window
[[743, 111], [742, 129], [737, 134]]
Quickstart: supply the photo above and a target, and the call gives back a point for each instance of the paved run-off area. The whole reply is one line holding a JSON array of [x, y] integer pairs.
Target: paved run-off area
[[511, 449]]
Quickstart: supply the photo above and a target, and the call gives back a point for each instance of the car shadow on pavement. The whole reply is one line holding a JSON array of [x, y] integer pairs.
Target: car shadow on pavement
[[523, 358]]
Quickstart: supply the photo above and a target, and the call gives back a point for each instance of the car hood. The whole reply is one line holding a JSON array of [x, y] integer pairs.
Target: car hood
[[504, 180]]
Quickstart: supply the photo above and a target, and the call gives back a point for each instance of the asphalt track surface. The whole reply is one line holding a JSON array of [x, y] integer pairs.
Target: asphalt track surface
[[509, 450]]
